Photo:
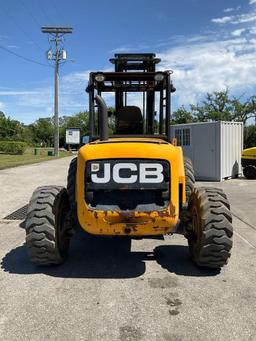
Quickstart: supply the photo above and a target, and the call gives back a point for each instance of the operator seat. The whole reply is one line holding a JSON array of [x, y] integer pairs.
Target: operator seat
[[129, 121]]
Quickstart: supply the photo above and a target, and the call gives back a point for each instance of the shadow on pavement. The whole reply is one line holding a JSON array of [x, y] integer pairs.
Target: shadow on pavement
[[176, 259], [89, 257], [92, 257], [23, 224]]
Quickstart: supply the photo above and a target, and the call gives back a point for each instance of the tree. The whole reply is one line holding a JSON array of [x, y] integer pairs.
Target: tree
[[181, 116], [250, 136], [216, 107], [244, 111], [219, 106], [11, 129], [42, 131]]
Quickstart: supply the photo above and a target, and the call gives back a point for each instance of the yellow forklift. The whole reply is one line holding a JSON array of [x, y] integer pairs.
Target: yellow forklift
[[134, 182]]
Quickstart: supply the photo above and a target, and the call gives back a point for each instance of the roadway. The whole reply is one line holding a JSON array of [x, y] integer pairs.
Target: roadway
[[106, 292]]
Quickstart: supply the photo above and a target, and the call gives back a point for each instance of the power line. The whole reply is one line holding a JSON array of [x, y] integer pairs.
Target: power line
[[34, 19], [30, 13], [47, 17], [21, 28], [60, 13], [23, 57]]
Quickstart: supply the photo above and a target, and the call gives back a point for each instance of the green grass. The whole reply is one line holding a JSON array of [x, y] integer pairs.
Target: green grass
[[7, 161]]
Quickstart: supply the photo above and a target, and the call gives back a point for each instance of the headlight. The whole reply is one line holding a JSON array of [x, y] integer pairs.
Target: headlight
[[159, 77], [100, 77]]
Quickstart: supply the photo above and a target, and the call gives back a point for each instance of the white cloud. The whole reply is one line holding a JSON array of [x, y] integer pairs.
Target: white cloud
[[251, 2], [227, 10], [210, 66], [237, 18], [131, 48], [18, 93], [203, 63], [223, 20], [244, 18], [238, 33], [252, 30], [76, 77], [2, 105], [27, 105], [232, 9], [13, 46]]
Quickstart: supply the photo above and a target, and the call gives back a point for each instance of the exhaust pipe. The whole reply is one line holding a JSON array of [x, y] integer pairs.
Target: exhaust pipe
[[103, 118]]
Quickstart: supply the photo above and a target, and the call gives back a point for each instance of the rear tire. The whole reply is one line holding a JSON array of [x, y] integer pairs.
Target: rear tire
[[250, 172], [48, 228], [209, 230], [190, 177]]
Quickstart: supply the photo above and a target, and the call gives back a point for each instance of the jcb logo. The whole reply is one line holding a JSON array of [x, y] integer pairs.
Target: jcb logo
[[127, 173]]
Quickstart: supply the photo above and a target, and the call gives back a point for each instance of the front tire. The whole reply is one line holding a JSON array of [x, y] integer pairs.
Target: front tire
[[209, 230], [48, 227]]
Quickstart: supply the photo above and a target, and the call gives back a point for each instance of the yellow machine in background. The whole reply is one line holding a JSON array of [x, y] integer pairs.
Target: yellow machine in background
[[134, 182], [249, 163]]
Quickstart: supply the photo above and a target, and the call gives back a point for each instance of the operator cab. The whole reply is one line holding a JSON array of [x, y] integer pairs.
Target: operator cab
[[129, 120], [134, 81]]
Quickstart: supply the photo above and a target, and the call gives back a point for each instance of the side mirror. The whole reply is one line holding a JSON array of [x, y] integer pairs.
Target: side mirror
[[85, 139]]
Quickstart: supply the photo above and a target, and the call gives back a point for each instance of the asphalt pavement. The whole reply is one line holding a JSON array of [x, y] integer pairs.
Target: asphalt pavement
[[105, 291]]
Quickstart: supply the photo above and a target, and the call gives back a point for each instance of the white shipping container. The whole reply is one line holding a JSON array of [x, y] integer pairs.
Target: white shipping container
[[214, 148]]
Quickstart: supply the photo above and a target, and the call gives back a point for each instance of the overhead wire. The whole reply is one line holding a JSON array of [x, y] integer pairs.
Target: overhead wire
[[30, 13], [54, 7], [23, 57], [21, 28], [34, 19], [59, 13], [47, 17], [28, 36]]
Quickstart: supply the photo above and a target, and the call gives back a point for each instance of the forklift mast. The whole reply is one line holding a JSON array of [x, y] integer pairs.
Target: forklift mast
[[145, 62], [132, 73]]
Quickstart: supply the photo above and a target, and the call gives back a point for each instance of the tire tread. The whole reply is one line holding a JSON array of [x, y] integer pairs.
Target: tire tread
[[41, 238], [216, 225]]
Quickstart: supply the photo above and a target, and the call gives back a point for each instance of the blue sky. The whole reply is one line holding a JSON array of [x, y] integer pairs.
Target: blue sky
[[208, 44]]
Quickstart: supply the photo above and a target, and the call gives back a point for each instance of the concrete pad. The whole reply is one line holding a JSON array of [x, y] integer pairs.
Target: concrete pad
[[106, 292], [242, 196], [17, 184]]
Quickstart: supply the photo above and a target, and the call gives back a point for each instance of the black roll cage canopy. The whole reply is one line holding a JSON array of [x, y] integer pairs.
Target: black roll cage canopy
[[133, 73]]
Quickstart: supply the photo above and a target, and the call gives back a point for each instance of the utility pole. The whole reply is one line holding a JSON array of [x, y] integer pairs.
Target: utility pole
[[56, 36]]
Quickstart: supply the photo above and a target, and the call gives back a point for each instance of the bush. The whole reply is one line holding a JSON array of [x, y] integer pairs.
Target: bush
[[13, 147], [250, 136]]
